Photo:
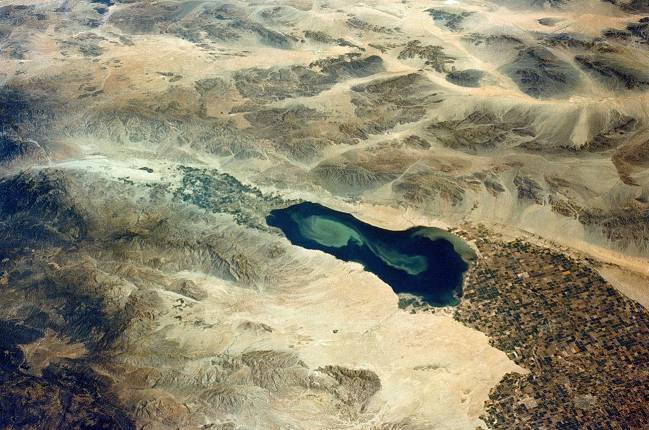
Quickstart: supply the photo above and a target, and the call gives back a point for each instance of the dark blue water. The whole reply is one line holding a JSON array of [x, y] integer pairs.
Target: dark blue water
[[421, 261]]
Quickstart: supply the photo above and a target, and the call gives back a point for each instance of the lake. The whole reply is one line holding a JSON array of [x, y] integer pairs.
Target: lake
[[426, 262]]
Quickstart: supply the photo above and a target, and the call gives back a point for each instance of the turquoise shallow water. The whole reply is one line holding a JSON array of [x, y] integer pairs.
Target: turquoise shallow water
[[422, 261]]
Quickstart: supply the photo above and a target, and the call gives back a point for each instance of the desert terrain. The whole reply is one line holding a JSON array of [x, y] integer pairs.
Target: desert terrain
[[143, 144]]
